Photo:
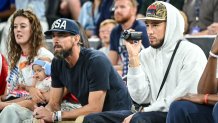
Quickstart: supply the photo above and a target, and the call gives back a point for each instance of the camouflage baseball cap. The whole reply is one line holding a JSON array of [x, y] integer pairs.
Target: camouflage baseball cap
[[156, 11]]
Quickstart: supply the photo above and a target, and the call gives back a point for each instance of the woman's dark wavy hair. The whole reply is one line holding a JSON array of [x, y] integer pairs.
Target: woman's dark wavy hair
[[83, 38], [36, 38]]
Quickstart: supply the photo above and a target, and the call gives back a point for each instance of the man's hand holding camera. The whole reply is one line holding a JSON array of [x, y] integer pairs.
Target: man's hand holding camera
[[133, 46]]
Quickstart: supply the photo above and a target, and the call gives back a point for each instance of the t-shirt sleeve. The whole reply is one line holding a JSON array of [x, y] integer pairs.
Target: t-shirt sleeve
[[98, 74], [113, 45], [55, 68]]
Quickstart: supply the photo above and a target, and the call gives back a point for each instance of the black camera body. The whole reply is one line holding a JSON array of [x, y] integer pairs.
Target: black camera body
[[129, 35]]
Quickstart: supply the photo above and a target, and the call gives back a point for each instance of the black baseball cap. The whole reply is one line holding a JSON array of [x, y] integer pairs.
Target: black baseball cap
[[63, 25]]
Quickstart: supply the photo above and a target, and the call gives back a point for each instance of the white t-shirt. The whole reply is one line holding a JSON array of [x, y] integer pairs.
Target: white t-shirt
[[44, 85], [22, 73]]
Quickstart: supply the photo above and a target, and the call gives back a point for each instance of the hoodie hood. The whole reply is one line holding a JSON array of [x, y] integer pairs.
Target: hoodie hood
[[174, 27]]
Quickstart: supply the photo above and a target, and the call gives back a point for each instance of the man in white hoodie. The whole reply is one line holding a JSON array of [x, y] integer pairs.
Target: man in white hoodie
[[147, 68]]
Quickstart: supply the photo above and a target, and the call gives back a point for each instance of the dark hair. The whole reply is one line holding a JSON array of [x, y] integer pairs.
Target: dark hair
[[83, 37], [36, 38]]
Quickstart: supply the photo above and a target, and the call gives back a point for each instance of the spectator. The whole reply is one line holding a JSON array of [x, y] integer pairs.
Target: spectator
[[201, 14], [37, 6], [105, 31], [147, 68], [3, 74], [63, 9], [201, 107], [74, 67], [106, 12], [70, 8], [25, 46], [89, 15], [125, 15], [145, 3], [7, 8]]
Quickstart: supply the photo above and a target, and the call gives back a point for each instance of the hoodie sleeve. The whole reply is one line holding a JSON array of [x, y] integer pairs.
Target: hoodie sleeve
[[138, 85]]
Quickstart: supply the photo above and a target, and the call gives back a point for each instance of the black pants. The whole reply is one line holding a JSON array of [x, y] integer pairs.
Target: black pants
[[119, 116]]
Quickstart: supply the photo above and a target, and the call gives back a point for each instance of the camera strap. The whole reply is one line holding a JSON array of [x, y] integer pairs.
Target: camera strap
[[168, 68]]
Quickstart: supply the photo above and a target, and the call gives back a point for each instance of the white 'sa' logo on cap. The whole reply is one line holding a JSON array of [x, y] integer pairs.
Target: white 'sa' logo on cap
[[59, 24]]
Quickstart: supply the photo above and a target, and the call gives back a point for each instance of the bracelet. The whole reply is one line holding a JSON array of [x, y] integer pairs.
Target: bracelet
[[55, 116], [206, 98], [213, 55], [59, 116]]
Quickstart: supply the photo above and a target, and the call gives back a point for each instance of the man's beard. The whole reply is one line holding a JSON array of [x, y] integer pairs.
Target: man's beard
[[122, 20], [158, 45], [62, 54]]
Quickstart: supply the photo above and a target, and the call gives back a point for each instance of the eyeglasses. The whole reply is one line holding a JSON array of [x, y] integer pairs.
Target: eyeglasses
[[105, 31]]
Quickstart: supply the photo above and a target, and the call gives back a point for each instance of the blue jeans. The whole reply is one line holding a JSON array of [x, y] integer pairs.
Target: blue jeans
[[188, 112], [215, 113]]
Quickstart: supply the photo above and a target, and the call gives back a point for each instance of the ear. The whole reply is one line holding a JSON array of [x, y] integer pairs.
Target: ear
[[77, 39]]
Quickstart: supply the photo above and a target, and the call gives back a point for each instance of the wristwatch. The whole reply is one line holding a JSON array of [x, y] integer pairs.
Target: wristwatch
[[57, 116]]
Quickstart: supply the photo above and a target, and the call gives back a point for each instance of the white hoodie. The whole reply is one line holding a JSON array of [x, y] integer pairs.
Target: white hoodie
[[189, 62]]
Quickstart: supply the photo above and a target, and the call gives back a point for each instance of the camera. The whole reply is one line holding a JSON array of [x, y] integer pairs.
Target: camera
[[128, 35]]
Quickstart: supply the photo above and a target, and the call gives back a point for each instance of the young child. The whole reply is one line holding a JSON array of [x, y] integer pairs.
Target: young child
[[104, 33], [42, 81]]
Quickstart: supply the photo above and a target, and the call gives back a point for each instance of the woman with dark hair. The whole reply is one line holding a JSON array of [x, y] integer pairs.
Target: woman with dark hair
[[84, 39]]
